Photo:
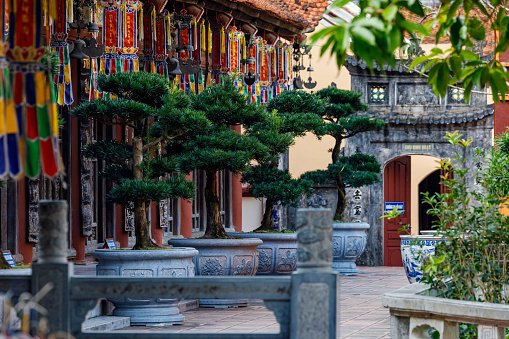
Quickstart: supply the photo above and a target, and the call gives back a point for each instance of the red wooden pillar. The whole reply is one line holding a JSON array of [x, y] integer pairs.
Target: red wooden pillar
[[237, 196], [25, 248], [501, 116], [186, 215], [156, 231], [120, 234], [77, 238]]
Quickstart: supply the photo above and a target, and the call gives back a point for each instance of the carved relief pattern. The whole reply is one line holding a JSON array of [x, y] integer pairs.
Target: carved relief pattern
[[129, 220], [173, 272], [287, 259], [33, 211], [314, 235], [137, 273], [316, 201], [313, 303], [86, 182], [336, 246], [164, 213], [264, 259], [243, 265], [212, 266], [353, 246], [412, 94]]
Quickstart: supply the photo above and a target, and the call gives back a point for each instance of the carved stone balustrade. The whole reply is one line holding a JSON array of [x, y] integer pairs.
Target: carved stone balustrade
[[414, 312]]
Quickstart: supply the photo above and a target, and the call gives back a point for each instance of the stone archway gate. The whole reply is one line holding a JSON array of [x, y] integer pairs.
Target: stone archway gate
[[416, 123]]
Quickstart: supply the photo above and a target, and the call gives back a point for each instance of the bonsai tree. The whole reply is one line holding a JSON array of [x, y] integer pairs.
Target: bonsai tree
[[156, 115], [341, 122], [217, 147], [293, 114]]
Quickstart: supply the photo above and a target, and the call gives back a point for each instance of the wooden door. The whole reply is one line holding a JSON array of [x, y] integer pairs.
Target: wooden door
[[396, 189]]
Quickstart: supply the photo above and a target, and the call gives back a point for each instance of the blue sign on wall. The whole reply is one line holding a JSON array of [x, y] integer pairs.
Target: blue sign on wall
[[390, 205], [8, 257]]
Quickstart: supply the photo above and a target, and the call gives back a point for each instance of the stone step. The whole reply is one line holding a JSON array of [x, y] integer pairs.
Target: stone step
[[105, 323]]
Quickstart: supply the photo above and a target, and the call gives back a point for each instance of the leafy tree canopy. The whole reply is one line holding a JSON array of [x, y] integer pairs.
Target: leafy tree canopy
[[379, 30]]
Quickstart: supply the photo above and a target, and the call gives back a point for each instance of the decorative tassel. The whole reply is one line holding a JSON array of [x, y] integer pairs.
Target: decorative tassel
[[141, 32], [209, 34], [70, 11], [203, 35], [154, 35]]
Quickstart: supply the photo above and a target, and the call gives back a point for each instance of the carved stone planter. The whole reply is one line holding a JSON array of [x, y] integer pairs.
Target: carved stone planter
[[278, 253], [175, 262], [348, 243], [220, 257]]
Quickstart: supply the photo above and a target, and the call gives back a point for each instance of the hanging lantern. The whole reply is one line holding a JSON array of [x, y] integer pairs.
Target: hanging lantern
[[160, 54], [59, 44], [30, 122]]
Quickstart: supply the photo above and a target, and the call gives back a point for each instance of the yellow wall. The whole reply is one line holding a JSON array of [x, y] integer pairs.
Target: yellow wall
[[421, 166], [252, 213], [309, 153]]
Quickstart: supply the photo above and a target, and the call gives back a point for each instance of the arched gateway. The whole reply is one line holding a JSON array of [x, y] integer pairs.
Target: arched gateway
[[411, 142]]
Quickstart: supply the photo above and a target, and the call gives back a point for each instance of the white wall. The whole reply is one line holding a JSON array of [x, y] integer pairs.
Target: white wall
[[252, 213]]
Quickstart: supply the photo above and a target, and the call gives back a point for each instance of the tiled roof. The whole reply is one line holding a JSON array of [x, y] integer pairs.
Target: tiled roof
[[490, 35], [302, 13]]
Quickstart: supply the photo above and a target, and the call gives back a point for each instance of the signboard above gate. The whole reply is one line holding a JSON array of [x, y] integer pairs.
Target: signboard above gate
[[390, 205], [417, 147]]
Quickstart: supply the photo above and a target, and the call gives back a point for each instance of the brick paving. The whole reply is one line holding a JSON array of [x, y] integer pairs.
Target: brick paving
[[361, 313]]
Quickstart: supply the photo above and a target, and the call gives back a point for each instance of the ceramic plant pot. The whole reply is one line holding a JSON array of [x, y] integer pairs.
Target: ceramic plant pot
[[278, 253], [175, 262], [348, 243], [223, 257], [414, 250]]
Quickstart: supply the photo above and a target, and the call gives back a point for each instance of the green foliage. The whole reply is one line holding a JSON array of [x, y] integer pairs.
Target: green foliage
[[111, 150], [224, 105], [267, 181], [299, 112], [378, 31], [471, 264], [52, 59], [141, 87], [356, 170], [128, 190], [114, 112]]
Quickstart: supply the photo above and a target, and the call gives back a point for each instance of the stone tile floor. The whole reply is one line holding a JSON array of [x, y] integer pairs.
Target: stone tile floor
[[361, 313]]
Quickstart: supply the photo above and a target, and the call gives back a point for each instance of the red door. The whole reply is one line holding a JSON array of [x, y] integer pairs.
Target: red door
[[396, 189]]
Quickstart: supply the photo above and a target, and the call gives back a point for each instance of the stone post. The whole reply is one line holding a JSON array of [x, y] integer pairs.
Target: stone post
[[52, 266], [315, 287]]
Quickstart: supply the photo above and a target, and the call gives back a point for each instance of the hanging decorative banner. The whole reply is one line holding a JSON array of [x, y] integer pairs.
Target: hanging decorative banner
[[160, 55], [59, 44], [129, 36], [94, 72], [110, 60], [5, 90], [31, 109], [148, 38]]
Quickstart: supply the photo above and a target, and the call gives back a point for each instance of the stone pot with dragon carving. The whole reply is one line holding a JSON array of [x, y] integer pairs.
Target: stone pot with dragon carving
[[223, 257], [173, 262], [278, 253], [348, 243]]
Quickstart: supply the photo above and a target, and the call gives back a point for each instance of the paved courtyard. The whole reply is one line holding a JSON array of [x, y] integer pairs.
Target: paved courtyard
[[361, 315]]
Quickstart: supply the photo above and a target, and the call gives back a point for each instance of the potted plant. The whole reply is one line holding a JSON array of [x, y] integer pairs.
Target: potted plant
[[357, 170], [155, 115], [293, 113], [212, 149]]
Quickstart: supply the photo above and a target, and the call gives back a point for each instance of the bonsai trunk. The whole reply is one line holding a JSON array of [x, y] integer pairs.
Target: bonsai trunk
[[214, 225], [267, 216], [140, 212], [341, 198], [336, 149]]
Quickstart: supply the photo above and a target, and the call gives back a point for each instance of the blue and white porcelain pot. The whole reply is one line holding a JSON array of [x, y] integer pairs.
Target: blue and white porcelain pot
[[414, 251]]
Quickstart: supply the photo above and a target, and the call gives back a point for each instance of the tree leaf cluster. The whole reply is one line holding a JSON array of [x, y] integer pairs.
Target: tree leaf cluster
[[267, 181], [379, 30], [471, 262]]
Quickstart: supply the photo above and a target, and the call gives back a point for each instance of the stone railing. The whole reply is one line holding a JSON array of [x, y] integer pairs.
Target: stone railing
[[305, 304], [413, 312]]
